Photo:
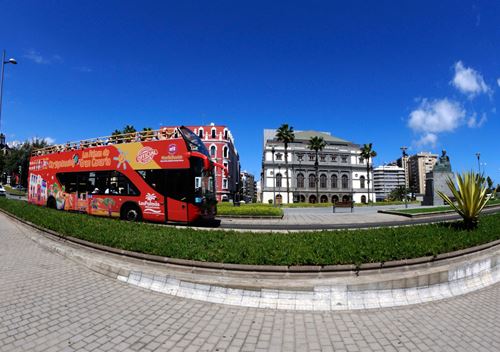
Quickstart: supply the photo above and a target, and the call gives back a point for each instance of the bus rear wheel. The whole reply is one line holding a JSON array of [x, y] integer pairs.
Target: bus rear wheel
[[51, 203], [131, 212]]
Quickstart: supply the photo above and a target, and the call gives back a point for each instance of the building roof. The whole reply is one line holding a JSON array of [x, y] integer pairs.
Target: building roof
[[306, 135]]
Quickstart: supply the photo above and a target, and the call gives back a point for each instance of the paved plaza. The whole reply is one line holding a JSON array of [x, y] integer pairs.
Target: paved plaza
[[49, 303]]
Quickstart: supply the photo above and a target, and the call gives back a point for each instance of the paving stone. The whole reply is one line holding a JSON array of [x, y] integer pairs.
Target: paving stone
[[50, 303]]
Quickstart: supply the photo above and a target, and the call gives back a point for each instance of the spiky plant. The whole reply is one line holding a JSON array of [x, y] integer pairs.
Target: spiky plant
[[470, 197]]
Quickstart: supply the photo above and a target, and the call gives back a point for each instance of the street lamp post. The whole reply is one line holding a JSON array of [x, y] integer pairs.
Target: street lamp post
[[10, 61], [403, 150], [478, 155]]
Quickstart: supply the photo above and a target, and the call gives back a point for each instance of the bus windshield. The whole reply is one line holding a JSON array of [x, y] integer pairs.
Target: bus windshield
[[194, 142]]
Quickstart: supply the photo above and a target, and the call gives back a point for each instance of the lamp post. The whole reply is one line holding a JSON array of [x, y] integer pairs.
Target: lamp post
[[10, 61], [478, 156], [403, 163]]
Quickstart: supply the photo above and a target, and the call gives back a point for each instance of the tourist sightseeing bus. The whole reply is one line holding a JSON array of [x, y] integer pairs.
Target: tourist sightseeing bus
[[162, 176]]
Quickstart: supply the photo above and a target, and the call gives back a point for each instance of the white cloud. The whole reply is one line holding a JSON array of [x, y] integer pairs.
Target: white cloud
[[16, 143], [469, 81], [473, 122], [49, 140], [433, 117], [436, 116], [428, 139], [498, 81], [37, 57]]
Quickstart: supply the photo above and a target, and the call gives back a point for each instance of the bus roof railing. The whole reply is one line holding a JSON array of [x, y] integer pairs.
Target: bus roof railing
[[139, 136]]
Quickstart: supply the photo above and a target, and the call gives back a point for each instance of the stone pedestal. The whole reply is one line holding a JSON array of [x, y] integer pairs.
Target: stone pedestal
[[436, 181]]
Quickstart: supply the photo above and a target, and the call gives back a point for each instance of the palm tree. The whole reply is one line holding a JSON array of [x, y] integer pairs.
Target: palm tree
[[368, 153], [286, 135], [317, 144], [129, 129]]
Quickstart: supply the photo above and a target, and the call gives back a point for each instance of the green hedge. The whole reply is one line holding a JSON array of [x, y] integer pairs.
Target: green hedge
[[298, 248], [253, 209]]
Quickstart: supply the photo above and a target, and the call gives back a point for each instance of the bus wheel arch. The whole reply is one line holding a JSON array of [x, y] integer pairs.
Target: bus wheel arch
[[130, 211], [51, 203]]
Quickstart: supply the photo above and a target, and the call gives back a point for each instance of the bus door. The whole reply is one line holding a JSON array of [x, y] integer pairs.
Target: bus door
[[178, 194]]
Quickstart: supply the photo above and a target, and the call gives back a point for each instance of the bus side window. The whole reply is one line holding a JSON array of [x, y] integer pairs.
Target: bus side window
[[68, 181]]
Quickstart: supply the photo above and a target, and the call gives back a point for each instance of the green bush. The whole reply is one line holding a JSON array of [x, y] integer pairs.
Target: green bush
[[252, 209], [297, 248]]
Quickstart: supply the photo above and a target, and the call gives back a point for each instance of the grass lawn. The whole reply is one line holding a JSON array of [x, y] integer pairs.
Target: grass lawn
[[442, 209], [298, 248], [252, 209], [14, 192], [324, 205]]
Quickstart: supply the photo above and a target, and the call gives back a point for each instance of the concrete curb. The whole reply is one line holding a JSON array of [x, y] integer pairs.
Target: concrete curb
[[429, 214], [296, 288]]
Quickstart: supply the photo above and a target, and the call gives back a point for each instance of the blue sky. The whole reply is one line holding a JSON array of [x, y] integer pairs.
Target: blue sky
[[423, 74]]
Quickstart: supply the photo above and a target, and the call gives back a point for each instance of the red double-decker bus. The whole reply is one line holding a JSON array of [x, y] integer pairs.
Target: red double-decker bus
[[161, 176]]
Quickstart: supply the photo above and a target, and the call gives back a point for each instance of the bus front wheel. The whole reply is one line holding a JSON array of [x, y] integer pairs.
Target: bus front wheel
[[131, 212]]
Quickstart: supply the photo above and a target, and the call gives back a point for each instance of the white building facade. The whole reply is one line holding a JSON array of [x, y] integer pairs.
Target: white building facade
[[341, 176], [386, 179]]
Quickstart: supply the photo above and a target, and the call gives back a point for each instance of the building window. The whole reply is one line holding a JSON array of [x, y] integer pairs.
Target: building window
[[345, 181], [300, 157], [323, 199], [361, 160], [224, 183], [334, 158], [362, 182], [322, 181], [344, 159], [225, 134], [363, 199], [279, 156], [278, 180], [322, 157], [213, 133], [311, 157], [334, 181], [312, 180], [300, 181], [213, 151], [225, 151], [200, 133]]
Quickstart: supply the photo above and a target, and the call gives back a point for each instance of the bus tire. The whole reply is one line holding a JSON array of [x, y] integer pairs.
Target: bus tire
[[130, 212], [51, 203]]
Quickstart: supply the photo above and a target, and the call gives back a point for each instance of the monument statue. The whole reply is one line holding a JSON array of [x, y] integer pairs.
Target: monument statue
[[436, 181]]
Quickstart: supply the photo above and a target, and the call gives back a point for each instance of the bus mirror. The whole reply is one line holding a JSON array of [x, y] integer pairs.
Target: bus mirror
[[197, 182]]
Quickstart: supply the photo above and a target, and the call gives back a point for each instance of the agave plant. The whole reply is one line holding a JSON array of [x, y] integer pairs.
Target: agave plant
[[470, 197]]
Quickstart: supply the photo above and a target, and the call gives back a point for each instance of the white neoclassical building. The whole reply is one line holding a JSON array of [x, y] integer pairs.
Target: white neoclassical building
[[342, 172]]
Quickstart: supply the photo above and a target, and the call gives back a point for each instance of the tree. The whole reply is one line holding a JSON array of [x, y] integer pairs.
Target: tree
[[317, 144], [17, 161], [368, 153], [129, 129], [286, 135], [399, 193], [489, 181]]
